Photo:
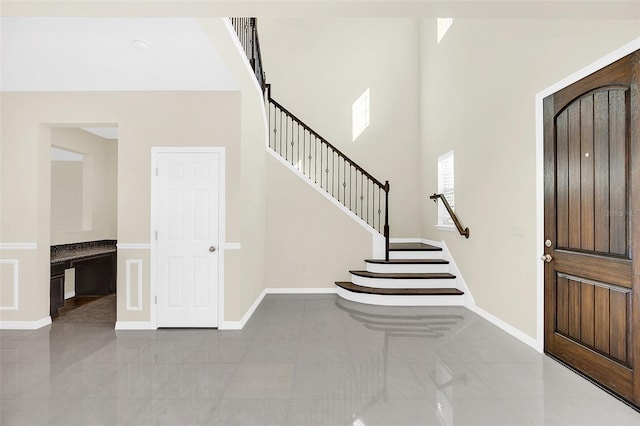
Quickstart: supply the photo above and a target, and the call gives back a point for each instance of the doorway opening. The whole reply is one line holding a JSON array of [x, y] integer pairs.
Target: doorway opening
[[83, 223]]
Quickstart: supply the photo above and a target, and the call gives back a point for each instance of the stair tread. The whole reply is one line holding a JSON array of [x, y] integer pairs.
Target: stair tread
[[413, 247], [400, 291], [405, 275], [407, 261]]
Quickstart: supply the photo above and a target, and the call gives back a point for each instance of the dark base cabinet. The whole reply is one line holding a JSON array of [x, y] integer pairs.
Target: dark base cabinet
[[95, 275], [56, 298], [95, 266]]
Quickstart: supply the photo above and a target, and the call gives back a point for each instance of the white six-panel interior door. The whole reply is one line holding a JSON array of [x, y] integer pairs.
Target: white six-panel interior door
[[187, 249]]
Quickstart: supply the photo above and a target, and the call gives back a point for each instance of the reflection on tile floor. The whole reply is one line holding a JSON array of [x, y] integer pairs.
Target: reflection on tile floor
[[301, 360]]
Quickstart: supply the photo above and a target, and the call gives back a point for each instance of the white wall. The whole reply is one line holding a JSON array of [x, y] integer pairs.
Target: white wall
[[477, 98], [319, 67]]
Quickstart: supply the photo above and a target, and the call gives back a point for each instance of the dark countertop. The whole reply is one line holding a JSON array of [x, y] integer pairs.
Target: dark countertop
[[76, 251]]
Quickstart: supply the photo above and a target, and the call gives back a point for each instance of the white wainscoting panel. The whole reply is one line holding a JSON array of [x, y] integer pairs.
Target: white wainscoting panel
[[14, 283], [130, 286]]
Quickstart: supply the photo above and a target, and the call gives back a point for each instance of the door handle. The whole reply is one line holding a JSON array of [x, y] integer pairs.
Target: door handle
[[546, 257], [212, 249]]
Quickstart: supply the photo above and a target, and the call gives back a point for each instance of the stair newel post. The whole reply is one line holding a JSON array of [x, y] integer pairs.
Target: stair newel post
[[386, 220]]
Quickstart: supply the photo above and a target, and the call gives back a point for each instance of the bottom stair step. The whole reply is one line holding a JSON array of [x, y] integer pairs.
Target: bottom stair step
[[400, 291]]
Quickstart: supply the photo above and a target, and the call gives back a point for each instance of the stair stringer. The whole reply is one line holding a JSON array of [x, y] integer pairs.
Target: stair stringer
[[377, 239]]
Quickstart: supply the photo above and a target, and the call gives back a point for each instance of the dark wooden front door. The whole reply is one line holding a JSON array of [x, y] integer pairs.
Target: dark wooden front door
[[592, 220]]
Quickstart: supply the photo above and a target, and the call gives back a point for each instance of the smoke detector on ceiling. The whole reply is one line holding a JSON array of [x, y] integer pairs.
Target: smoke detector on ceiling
[[141, 45]]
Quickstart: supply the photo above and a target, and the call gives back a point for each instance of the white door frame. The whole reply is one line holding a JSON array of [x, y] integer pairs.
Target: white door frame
[[155, 151], [579, 75]]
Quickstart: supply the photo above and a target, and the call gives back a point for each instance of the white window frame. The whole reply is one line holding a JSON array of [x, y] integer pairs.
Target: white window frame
[[446, 186]]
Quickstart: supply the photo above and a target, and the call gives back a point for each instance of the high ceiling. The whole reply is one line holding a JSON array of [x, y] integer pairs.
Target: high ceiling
[[80, 45], [99, 54]]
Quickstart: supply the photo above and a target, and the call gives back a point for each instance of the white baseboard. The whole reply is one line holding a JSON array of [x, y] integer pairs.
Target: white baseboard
[[323, 290], [230, 325], [134, 325], [239, 325], [523, 337], [25, 325], [70, 294], [469, 300]]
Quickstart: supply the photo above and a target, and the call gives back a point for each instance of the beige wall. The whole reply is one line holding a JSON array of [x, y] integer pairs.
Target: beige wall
[[100, 191], [145, 119], [478, 89], [311, 242], [249, 262], [66, 197], [319, 67]]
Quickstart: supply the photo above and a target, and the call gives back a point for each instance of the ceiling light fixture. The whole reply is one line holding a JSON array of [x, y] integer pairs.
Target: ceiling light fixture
[[141, 45]]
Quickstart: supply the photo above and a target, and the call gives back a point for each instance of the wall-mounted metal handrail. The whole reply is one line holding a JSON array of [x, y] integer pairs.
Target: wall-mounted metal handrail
[[456, 221]]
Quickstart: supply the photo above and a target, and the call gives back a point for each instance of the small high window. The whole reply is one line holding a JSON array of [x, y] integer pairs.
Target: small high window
[[443, 26], [445, 186], [360, 114]]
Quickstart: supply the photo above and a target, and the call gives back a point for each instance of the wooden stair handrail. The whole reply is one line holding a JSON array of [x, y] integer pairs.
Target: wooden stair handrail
[[322, 140], [246, 31], [456, 221]]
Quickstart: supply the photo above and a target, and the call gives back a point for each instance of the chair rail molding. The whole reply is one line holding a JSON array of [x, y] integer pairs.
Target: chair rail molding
[[18, 246]]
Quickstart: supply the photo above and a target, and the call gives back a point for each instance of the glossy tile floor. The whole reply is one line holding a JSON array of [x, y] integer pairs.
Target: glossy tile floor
[[301, 360]]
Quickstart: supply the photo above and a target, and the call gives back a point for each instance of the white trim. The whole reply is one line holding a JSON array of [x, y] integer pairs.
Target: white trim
[[134, 325], [579, 75], [321, 191], [523, 337], [154, 223], [468, 297], [231, 325], [239, 325], [385, 300], [25, 325], [231, 246], [449, 228], [69, 294], [133, 246], [243, 57], [285, 290], [590, 69], [16, 281], [414, 240], [18, 246], [128, 294], [461, 283]]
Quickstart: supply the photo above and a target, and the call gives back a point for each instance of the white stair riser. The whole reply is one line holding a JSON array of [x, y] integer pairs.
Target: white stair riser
[[415, 254], [407, 268], [383, 300], [402, 283]]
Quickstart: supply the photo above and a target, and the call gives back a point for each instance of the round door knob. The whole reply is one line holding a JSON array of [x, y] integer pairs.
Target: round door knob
[[212, 249], [546, 257]]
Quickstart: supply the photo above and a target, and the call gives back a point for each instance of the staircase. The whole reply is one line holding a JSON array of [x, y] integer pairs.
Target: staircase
[[416, 274], [411, 274]]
